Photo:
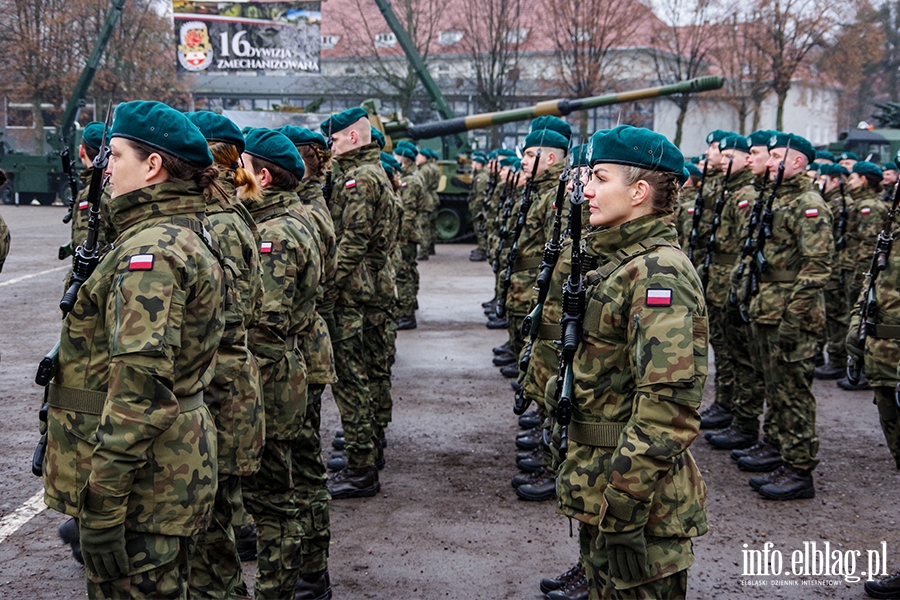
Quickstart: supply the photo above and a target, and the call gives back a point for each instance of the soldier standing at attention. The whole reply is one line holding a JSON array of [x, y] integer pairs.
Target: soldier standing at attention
[[787, 314], [430, 172], [291, 271], [414, 198], [360, 193], [234, 396], [629, 478], [847, 160], [476, 205], [131, 449]]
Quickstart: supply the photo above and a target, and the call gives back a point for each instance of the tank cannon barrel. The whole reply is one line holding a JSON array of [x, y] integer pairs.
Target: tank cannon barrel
[[557, 108]]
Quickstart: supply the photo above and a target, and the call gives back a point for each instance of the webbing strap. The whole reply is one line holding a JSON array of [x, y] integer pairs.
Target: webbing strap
[[779, 276], [601, 435], [884, 332], [523, 264], [91, 402], [549, 331], [719, 258], [625, 254]]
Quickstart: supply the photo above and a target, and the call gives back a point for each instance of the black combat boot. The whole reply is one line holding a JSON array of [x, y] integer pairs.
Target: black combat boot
[[539, 491], [889, 587], [766, 459], [863, 384], [530, 440], [379, 456], [245, 540], [337, 461], [738, 454], [715, 417], [511, 371], [530, 462], [506, 348], [477, 255], [731, 438], [404, 323], [489, 302], [549, 584], [338, 443], [497, 323], [530, 420], [760, 480], [830, 371], [68, 533], [501, 360], [576, 589], [793, 485], [316, 586], [354, 483], [524, 478]]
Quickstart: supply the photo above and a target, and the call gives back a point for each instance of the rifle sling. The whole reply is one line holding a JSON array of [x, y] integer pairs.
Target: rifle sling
[[91, 402], [523, 264], [549, 331], [624, 255], [601, 435], [779, 276], [720, 258], [883, 332]]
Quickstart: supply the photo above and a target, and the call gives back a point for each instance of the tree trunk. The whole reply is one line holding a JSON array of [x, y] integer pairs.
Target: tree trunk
[[779, 112], [679, 122]]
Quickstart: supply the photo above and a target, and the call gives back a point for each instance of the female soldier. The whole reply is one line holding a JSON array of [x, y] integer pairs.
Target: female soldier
[[639, 374], [131, 444]]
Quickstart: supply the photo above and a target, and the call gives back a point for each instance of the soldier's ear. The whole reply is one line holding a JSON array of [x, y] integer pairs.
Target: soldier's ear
[[154, 166]]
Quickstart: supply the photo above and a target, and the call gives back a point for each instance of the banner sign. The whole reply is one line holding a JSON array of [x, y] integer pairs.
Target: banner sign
[[259, 35]]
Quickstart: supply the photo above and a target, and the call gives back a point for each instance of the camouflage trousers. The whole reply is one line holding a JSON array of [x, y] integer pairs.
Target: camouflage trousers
[[379, 346], [726, 363], [749, 388], [407, 282], [478, 223], [837, 320], [168, 559], [671, 586], [789, 393], [514, 326], [215, 565], [543, 365], [269, 498], [311, 496], [353, 396], [889, 416]]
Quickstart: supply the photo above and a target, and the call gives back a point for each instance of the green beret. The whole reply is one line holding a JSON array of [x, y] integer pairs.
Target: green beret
[[163, 128], [824, 154], [407, 144], [637, 147], [429, 153], [833, 170], [479, 156], [579, 155], [301, 136], [759, 138], [276, 148], [378, 138], [506, 152], [405, 151], [510, 161], [343, 120], [492, 155], [553, 123], [695, 160], [389, 159], [847, 156], [865, 167], [216, 128], [716, 136], [813, 167], [546, 138], [734, 142], [693, 170], [92, 134], [780, 139], [889, 166]]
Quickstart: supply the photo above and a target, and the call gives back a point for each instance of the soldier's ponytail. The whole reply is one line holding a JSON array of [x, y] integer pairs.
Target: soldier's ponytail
[[226, 156]]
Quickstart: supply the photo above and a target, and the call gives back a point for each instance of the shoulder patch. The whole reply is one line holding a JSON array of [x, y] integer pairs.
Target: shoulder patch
[[404, 184], [743, 204], [265, 248], [140, 262], [812, 212], [350, 184], [659, 297], [865, 211], [691, 210], [83, 205]]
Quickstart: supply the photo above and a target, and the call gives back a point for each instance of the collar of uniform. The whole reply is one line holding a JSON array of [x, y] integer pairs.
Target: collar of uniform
[[796, 185], [603, 243], [740, 179], [408, 169], [85, 176], [309, 190], [272, 198], [865, 193], [551, 173], [160, 200], [370, 153]]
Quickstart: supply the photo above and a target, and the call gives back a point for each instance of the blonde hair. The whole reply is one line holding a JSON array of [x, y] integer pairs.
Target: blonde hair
[[226, 156]]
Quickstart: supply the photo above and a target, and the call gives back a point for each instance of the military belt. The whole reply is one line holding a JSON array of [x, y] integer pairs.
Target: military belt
[[91, 402], [779, 276], [549, 331], [719, 258], [883, 332], [523, 264], [601, 435]]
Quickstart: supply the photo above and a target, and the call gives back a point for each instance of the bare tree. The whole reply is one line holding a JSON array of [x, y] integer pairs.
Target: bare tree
[[743, 66], [889, 19]]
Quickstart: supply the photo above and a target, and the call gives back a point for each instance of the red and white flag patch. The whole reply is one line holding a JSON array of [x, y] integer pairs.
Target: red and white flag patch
[[404, 184], [743, 204], [812, 212], [865, 211], [83, 205], [140, 262], [691, 211], [350, 184], [265, 248], [660, 297]]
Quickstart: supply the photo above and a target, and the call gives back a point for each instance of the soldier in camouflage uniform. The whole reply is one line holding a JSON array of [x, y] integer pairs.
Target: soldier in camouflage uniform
[[4, 230], [131, 445], [476, 205], [414, 198], [787, 314], [430, 171], [361, 198], [292, 273], [629, 478]]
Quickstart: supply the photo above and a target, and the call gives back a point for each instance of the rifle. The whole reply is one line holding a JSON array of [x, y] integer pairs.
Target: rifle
[[68, 167], [868, 306], [747, 247], [493, 179], [513, 254], [85, 260], [507, 201], [714, 227], [573, 300], [698, 214], [532, 322], [759, 264]]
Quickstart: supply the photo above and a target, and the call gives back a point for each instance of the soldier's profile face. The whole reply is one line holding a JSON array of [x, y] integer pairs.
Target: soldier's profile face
[[713, 155], [127, 172], [610, 198], [759, 155], [890, 177], [856, 181]]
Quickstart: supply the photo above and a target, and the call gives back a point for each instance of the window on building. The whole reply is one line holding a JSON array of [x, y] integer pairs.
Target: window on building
[[385, 40], [516, 36], [443, 69], [448, 38], [330, 41], [350, 70]]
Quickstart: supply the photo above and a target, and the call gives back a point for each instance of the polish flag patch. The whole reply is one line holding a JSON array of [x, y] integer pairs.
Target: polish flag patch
[[660, 297], [83, 205], [865, 211], [690, 211], [265, 248], [350, 184], [812, 212], [404, 184], [743, 204], [140, 262]]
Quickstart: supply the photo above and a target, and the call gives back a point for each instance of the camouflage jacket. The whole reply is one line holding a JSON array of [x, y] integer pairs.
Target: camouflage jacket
[[130, 439], [729, 235], [291, 270], [867, 216], [476, 195], [684, 216], [430, 172], [414, 198], [234, 396], [81, 211], [4, 242], [639, 375], [799, 255], [842, 259]]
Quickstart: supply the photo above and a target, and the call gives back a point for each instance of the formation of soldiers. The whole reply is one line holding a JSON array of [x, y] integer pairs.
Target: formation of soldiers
[[780, 239], [222, 279]]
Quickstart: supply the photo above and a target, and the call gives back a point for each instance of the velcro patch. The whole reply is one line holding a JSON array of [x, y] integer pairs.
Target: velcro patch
[[659, 297], [350, 184], [140, 262], [865, 211], [743, 204], [83, 205], [812, 212], [265, 248]]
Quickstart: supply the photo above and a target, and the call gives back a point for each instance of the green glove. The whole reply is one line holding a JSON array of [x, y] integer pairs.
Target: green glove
[[627, 553], [788, 338], [854, 347], [104, 551]]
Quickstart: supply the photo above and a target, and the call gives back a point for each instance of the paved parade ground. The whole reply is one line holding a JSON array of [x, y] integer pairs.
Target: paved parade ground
[[447, 523]]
